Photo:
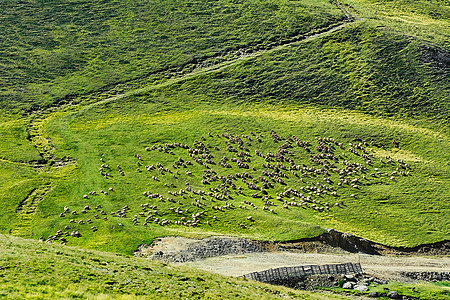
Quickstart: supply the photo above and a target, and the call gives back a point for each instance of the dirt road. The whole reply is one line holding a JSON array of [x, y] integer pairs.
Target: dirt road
[[384, 267], [263, 258]]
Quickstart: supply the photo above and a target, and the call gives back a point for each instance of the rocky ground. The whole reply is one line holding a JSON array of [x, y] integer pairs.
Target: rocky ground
[[180, 250], [427, 276]]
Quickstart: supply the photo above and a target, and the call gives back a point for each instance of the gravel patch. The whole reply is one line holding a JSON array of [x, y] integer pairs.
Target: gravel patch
[[180, 250]]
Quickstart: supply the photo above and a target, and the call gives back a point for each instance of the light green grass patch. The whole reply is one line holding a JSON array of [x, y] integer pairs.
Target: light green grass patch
[[14, 145], [407, 219]]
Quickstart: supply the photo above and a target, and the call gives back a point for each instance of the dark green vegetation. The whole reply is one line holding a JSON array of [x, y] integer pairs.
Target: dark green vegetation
[[53, 50], [377, 79], [43, 271]]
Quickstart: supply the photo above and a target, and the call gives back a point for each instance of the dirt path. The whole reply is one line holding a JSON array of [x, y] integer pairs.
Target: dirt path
[[246, 258], [380, 266], [216, 67], [37, 138]]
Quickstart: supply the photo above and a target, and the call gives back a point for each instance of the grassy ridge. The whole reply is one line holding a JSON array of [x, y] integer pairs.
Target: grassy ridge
[[56, 49], [36, 270]]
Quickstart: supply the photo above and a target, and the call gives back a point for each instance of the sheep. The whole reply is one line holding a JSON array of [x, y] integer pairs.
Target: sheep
[[75, 234]]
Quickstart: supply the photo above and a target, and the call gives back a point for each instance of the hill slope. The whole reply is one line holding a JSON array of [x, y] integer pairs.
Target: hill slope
[[337, 118], [40, 270]]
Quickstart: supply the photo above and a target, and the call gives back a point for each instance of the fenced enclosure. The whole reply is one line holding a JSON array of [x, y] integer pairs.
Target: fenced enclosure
[[284, 273]]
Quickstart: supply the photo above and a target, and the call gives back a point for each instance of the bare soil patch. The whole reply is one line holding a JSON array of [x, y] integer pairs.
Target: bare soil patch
[[236, 257]]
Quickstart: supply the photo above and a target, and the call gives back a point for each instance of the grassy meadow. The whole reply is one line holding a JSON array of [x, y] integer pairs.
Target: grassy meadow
[[398, 212], [87, 87]]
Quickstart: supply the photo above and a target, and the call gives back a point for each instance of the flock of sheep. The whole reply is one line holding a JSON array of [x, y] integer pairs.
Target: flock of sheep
[[225, 175]]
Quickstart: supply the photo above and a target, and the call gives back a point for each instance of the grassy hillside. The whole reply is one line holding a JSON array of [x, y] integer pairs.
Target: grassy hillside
[[54, 50], [425, 20], [362, 68], [39, 270], [360, 109]]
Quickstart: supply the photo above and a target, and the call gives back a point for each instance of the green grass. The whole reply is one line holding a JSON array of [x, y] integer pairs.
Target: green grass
[[422, 290], [364, 80], [16, 182], [361, 68], [54, 50], [423, 19], [399, 213], [29, 269], [14, 145]]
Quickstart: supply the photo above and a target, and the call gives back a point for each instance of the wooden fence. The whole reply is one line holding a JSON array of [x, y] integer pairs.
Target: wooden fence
[[273, 275]]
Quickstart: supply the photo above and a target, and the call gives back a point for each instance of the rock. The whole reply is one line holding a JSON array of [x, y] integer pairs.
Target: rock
[[361, 288], [373, 295], [394, 295], [349, 277], [348, 285]]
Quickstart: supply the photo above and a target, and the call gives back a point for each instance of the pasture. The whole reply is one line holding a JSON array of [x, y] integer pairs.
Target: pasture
[[346, 97]]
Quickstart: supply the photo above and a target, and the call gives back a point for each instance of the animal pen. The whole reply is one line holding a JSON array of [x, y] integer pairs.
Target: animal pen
[[285, 273]]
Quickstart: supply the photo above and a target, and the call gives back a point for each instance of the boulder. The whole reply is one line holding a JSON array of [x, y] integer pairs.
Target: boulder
[[349, 277], [379, 281], [361, 288], [394, 295], [348, 285]]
